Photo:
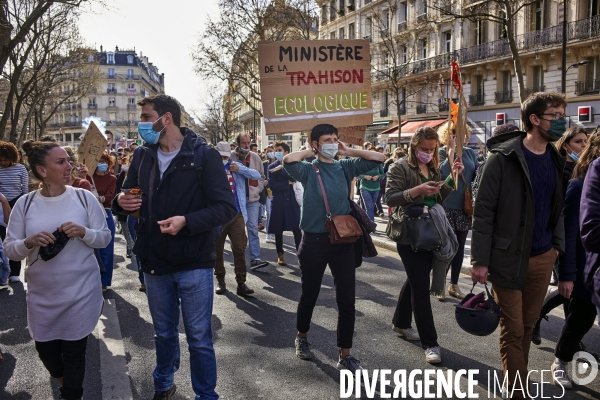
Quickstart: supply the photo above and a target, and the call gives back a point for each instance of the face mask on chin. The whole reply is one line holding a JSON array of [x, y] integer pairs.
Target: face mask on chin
[[243, 152], [574, 156]]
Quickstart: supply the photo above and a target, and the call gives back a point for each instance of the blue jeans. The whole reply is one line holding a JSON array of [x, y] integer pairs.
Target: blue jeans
[[268, 207], [131, 224], [370, 198], [108, 253], [194, 291], [261, 213], [252, 210]]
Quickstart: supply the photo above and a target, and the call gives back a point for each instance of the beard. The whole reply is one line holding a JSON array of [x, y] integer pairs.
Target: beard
[[546, 136]]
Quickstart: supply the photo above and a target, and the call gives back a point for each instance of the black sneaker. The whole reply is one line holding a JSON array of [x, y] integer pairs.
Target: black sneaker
[[350, 363], [166, 395], [536, 337], [302, 350]]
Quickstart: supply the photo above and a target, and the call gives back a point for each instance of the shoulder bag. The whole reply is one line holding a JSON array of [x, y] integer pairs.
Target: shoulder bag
[[422, 232], [468, 203], [343, 229]]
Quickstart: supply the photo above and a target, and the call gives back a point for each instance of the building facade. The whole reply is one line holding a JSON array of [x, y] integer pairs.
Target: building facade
[[412, 44]]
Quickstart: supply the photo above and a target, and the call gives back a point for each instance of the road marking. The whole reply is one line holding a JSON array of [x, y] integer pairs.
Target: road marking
[[113, 364]]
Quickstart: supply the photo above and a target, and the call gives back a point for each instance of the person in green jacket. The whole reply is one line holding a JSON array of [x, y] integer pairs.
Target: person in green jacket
[[369, 189]]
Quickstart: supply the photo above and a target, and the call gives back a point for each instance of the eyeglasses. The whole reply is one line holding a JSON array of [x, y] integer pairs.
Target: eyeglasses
[[556, 115]]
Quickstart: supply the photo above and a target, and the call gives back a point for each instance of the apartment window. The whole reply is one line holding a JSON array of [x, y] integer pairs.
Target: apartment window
[[386, 60], [342, 9], [423, 48], [130, 73], [477, 96], [537, 79], [342, 34], [421, 8], [479, 85], [384, 101], [385, 20], [93, 100], [537, 16], [131, 86], [111, 72], [332, 11], [402, 14], [131, 101], [351, 32], [368, 27], [479, 32], [111, 87], [402, 101], [332, 35], [447, 41], [129, 59], [131, 117], [112, 116], [90, 58], [404, 55], [506, 81], [594, 8], [110, 58], [592, 73], [324, 13], [111, 102]]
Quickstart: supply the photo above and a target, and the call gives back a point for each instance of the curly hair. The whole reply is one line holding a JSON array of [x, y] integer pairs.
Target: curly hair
[[587, 156], [9, 151], [444, 133], [109, 160]]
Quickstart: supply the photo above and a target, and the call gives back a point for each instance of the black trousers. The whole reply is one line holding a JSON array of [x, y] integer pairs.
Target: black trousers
[[65, 359], [314, 254], [580, 319], [279, 240], [414, 295], [553, 300], [457, 261], [15, 266]]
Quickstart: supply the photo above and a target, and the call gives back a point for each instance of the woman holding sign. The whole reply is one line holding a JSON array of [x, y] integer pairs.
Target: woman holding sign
[[326, 185]]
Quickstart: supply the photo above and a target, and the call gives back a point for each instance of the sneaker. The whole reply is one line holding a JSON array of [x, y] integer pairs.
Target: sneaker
[[302, 350], [536, 336], [560, 375], [3, 285], [433, 355], [104, 288], [261, 226], [270, 238], [350, 363], [166, 395], [128, 254], [408, 333], [14, 279]]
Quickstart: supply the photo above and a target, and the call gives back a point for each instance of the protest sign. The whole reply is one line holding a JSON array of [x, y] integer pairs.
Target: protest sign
[[308, 82], [91, 148], [352, 134]]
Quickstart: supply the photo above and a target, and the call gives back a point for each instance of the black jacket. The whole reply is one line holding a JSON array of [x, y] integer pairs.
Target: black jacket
[[200, 193], [503, 221]]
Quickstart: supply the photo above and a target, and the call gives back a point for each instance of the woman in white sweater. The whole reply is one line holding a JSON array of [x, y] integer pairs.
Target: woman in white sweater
[[64, 295]]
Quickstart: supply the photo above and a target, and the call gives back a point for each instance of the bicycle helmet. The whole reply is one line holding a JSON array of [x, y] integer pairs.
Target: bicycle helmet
[[476, 315]]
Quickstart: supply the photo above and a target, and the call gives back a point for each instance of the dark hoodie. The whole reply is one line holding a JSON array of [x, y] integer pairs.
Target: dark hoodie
[[503, 221]]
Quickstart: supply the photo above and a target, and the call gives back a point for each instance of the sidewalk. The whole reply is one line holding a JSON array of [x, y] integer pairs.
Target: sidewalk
[[381, 240]]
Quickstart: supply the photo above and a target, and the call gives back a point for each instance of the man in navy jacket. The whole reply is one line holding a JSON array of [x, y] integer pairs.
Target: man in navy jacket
[[181, 207]]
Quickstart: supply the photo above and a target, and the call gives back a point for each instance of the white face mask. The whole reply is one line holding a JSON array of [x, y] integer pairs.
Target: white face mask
[[125, 167]]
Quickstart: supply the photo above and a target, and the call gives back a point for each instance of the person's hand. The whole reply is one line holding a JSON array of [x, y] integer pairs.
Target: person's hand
[[428, 188], [342, 149], [368, 177], [291, 182], [172, 225], [41, 239], [276, 169], [479, 274], [83, 170], [458, 166], [129, 202], [72, 230], [375, 177], [565, 288], [234, 167]]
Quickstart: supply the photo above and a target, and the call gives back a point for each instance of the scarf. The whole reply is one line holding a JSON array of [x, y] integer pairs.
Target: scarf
[[444, 256]]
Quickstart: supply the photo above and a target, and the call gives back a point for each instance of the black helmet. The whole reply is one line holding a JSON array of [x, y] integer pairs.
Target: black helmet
[[479, 319]]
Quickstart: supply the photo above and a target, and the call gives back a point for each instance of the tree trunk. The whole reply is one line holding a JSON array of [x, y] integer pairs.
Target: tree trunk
[[515, 52]]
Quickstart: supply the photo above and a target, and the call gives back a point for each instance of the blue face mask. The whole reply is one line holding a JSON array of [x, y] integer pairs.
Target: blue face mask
[[147, 133], [279, 155], [271, 155], [574, 156], [102, 167]]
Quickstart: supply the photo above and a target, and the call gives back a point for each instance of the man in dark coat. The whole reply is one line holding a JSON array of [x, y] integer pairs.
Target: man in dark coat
[[518, 228], [285, 211]]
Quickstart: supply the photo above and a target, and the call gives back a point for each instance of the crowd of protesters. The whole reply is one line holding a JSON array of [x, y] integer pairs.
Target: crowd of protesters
[[531, 202]]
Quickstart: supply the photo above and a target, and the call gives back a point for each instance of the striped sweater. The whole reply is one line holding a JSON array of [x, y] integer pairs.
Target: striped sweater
[[14, 181]]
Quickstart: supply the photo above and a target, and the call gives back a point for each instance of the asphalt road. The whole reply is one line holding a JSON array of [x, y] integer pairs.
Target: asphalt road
[[254, 339]]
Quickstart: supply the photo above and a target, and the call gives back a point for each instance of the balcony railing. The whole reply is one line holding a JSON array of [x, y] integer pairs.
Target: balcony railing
[[131, 106], [534, 89], [383, 113], [111, 91], [92, 106], [504, 97], [587, 87], [402, 26], [421, 108], [477, 99]]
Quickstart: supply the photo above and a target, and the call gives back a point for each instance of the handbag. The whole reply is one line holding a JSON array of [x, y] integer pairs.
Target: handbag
[[423, 233], [343, 229], [468, 204]]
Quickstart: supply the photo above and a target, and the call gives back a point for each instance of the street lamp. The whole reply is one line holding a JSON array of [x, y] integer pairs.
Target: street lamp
[[564, 74]]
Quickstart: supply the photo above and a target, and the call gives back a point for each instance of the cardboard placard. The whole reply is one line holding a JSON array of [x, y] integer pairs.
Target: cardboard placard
[[91, 148], [352, 134], [308, 82], [460, 128]]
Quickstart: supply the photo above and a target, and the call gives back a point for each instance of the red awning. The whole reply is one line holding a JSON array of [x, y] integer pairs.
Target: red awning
[[409, 127]]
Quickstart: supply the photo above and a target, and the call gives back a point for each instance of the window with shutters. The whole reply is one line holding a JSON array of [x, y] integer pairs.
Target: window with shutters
[[342, 34], [447, 42], [351, 32], [368, 27], [537, 16], [402, 16], [332, 35], [537, 79], [479, 32]]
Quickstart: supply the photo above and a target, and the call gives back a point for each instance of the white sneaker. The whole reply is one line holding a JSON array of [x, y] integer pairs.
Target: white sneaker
[[408, 333], [270, 238], [14, 279], [433, 355], [560, 375]]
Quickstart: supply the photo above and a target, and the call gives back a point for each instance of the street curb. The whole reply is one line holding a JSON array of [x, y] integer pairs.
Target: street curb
[[390, 245]]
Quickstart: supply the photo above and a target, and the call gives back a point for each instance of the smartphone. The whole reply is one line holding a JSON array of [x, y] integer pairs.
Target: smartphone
[[440, 183]]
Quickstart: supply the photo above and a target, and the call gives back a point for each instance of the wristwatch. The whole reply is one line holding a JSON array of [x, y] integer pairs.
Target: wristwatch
[[27, 244]]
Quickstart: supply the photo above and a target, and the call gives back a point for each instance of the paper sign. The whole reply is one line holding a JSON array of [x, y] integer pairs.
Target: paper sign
[[461, 125], [308, 82], [352, 134], [91, 148]]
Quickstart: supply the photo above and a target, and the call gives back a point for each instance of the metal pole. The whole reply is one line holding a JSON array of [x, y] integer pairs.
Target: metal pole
[[564, 50]]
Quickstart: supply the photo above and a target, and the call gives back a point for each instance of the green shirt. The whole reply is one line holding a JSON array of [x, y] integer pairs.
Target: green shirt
[[336, 178], [430, 201], [371, 185]]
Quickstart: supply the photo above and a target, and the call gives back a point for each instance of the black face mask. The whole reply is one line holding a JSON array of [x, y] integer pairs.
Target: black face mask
[[49, 252]]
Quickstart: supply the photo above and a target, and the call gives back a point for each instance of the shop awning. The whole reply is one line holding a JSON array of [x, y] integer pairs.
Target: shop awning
[[409, 127]]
